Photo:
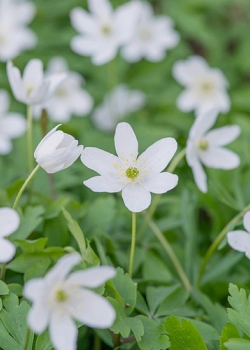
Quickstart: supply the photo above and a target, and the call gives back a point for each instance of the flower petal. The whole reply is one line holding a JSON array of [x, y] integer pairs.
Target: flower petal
[[93, 309], [49, 144], [38, 317], [16, 82], [203, 123], [160, 183], [104, 184], [102, 162], [13, 125], [33, 73], [246, 221], [158, 155], [93, 276], [126, 143], [63, 331], [105, 55], [219, 158], [100, 8], [239, 240], [223, 136], [9, 221], [200, 177], [7, 250], [186, 101], [136, 197], [82, 21]]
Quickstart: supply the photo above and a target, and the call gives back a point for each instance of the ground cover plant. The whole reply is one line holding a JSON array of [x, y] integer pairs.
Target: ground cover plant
[[124, 163]]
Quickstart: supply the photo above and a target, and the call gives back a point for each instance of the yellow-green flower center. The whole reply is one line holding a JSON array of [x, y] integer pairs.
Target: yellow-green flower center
[[132, 173], [61, 295], [207, 86], [106, 30], [203, 145]]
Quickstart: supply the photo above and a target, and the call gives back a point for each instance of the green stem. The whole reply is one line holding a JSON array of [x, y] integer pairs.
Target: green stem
[[30, 138], [24, 186], [171, 254], [97, 343], [132, 252], [157, 197], [218, 240], [26, 345], [3, 271]]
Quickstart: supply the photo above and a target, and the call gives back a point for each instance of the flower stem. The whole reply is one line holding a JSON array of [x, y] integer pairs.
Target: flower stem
[[26, 345], [218, 240], [171, 254], [30, 137], [157, 197], [132, 251], [24, 186]]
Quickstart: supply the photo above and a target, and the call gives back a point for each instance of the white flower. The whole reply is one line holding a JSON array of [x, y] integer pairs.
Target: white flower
[[205, 86], [69, 99], [9, 223], [57, 151], [239, 239], [103, 30], [12, 125], [116, 105], [33, 88], [14, 36], [135, 177], [205, 147], [152, 37], [60, 297]]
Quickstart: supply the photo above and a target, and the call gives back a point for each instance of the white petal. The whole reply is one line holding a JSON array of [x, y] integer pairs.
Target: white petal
[[246, 221], [7, 250], [102, 162], [38, 316], [186, 101], [49, 144], [219, 158], [9, 221], [82, 21], [158, 155], [13, 125], [126, 143], [5, 145], [93, 309], [62, 268], [100, 8], [63, 332], [203, 123], [239, 240], [223, 136], [54, 81], [16, 82], [104, 184], [105, 54], [33, 73], [93, 276], [186, 71], [200, 177], [84, 46], [33, 289], [160, 183], [46, 137], [136, 197]]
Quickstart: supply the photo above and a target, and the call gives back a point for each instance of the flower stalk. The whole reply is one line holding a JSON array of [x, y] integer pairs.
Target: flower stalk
[[133, 240], [30, 138]]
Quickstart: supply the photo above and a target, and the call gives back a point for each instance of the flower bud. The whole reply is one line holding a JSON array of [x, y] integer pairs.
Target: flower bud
[[57, 151]]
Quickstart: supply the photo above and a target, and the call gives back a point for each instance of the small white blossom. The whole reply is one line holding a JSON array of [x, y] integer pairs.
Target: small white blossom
[[103, 30], [205, 147], [12, 125], [15, 37], [9, 223], [239, 239], [33, 88], [117, 105], [69, 99], [205, 86], [57, 151], [135, 177], [152, 37], [60, 297]]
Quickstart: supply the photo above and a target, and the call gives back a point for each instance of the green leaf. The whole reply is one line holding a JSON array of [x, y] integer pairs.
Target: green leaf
[[16, 288], [229, 331], [238, 344], [86, 251], [128, 324], [176, 299], [154, 269], [31, 219], [43, 342], [240, 316], [156, 295], [54, 208], [38, 269], [155, 336], [32, 246], [184, 335], [4, 290]]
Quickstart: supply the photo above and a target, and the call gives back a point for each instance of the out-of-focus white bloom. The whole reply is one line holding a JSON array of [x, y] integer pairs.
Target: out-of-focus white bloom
[[239, 239], [9, 223], [33, 87], [69, 99], [103, 30], [60, 297], [15, 37], [205, 147], [135, 177], [117, 105], [152, 37], [12, 125], [205, 86], [57, 151]]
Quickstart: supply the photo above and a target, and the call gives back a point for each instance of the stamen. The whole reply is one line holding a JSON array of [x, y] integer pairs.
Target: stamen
[[203, 145], [61, 296], [132, 173]]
